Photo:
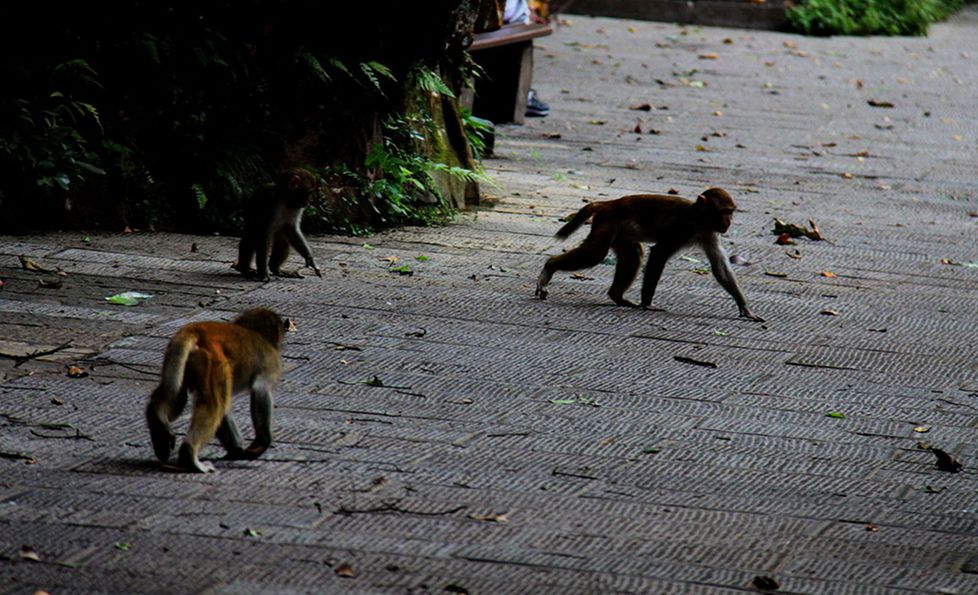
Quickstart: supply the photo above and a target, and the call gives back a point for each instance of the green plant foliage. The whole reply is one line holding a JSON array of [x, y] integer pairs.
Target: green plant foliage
[[429, 80], [477, 131], [870, 17], [400, 185]]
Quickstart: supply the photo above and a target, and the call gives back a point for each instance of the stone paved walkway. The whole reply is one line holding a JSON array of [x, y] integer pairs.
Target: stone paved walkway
[[520, 446]]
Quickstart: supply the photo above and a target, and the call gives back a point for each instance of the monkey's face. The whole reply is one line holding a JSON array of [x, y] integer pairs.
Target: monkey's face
[[720, 207], [724, 219], [302, 187]]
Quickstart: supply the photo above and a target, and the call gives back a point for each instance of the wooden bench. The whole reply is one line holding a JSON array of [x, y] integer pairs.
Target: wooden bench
[[506, 57]]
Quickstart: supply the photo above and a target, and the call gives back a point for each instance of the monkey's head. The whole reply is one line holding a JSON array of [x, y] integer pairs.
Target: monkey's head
[[266, 323], [717, 209], [299, 187]]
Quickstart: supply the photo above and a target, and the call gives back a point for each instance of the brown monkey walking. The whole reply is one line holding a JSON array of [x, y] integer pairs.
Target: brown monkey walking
[[670, 221], [273, 220], [214, 361]]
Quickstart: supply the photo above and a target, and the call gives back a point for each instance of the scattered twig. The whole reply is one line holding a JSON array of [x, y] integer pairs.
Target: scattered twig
[[345, 347], [695, 362], [395, 508], [78, 436], [23, 359], [17, 456], [559, 473], [103, 361], [375, 382]]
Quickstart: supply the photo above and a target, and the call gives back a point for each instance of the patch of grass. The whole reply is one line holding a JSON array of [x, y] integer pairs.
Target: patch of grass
[[869, 17]]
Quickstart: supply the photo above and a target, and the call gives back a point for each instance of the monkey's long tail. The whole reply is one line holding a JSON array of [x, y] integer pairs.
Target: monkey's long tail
[[577, 219], [175, 363]]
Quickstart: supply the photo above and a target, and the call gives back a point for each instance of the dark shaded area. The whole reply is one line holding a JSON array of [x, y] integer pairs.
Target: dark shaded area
[[168, 114]]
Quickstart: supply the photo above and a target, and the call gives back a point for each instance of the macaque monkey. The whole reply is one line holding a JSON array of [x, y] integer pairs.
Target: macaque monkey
[[670, 221], [272, 220], [213, 361]]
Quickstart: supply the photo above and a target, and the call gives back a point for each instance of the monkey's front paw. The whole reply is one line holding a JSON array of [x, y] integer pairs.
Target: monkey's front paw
[[312, 265], [541, 293]]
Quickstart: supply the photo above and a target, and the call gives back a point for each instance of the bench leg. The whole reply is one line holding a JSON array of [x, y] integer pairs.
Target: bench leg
[[500, 95], [524, 80]]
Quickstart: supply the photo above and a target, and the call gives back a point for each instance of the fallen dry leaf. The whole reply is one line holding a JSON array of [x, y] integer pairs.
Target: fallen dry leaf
[[76, 372], [709, 56], [945, 462], [643, 107], [765, 583], [829, 313], [29, 264], [876, 103], [846, 175], [828, 274], [345, 570], [872, 528], [795, 230], [29, 553], [491, 518], [784, 240], [581, 277]]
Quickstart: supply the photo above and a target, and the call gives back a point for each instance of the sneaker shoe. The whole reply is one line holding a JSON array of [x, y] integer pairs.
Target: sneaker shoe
[[534, 107]]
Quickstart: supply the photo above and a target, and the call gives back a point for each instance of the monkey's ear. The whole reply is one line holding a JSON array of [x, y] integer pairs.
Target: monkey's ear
[[295, 181]]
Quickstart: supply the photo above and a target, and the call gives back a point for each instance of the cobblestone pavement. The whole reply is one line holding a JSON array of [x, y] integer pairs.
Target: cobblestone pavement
[[520, 446]]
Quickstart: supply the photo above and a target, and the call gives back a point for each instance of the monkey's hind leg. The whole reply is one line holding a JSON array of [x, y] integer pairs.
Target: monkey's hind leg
[[211, 405], [230, 438], [629, 259], [591, 252], [246, 252], [279, 254], [162, 409]]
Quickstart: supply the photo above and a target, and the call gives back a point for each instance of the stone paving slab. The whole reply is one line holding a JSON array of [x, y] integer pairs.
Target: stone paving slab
[[557, 447]]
